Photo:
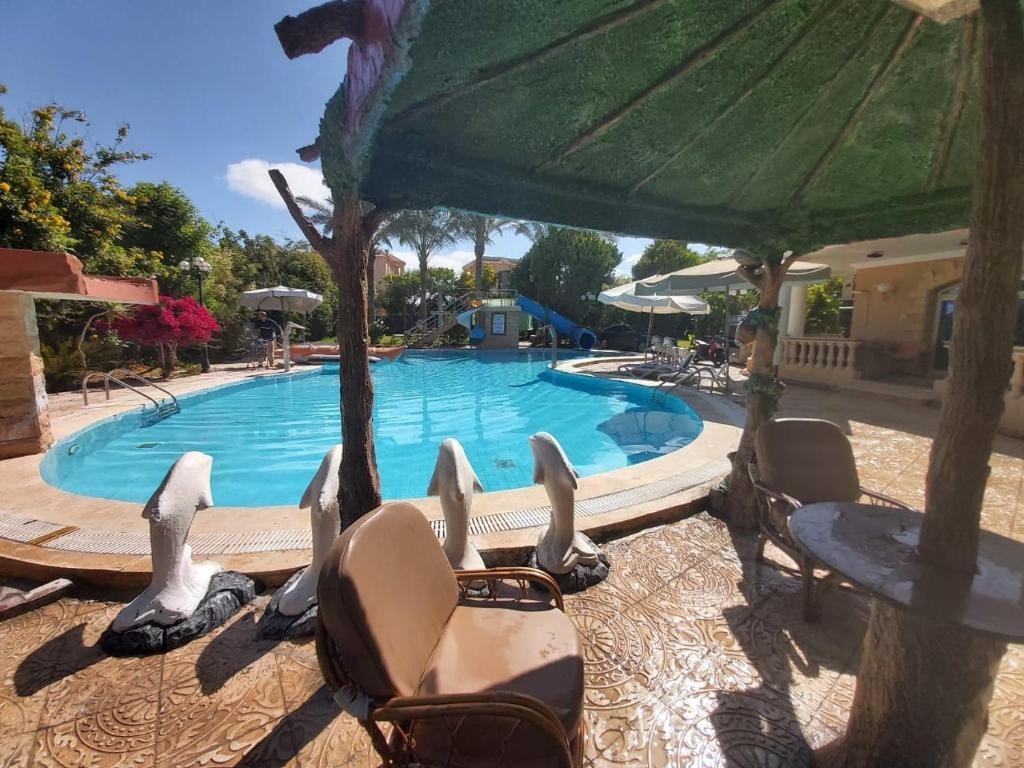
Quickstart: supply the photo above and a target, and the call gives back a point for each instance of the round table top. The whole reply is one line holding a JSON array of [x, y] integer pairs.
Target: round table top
[[875, 548]]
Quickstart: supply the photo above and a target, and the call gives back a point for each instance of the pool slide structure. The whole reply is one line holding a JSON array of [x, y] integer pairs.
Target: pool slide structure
[[583, 338]]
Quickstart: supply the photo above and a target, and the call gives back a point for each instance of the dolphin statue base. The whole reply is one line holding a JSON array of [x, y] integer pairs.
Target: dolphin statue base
[[569, 556], [293, 608], [184, 599]]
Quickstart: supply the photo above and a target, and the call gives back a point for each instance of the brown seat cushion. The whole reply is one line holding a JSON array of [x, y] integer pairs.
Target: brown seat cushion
[[386, 591], [808, 459], [504, 648]]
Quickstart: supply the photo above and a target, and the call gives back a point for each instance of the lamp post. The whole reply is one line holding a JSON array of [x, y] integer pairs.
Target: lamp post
[[200, 269]]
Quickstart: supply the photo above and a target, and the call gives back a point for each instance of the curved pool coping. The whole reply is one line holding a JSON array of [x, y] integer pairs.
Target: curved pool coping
[[46, 532]]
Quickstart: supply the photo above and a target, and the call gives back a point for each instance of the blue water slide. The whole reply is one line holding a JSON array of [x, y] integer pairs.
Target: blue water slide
[[584, 338]]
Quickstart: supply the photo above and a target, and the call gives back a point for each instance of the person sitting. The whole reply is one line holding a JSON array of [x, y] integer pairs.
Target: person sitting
[[268, 331]]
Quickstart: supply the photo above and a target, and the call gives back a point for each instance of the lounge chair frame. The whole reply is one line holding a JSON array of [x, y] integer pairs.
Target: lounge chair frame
[[458, 710], [769, 531]]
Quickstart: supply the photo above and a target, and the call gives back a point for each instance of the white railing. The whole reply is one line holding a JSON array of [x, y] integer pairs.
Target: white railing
[[1017, 377], [818, 359]]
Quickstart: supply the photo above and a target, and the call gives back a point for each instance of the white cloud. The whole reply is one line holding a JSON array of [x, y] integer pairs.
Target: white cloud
[[625, 267], [249, 177]]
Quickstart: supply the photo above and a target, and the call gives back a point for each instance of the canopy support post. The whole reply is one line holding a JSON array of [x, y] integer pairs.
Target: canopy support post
[[923, 688], [346, 253], [762, 387]]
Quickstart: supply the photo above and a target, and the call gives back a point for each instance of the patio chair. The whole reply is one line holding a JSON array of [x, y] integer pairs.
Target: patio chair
[[655, 346], [460, 680], [798, 462]]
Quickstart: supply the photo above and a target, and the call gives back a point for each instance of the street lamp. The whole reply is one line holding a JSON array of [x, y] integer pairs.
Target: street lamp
[[199, 268]]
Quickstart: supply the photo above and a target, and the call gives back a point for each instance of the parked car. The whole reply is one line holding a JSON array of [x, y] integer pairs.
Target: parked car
[[622, 337]]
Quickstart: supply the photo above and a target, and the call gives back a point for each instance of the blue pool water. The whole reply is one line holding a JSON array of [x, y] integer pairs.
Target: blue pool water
[[267, 436]]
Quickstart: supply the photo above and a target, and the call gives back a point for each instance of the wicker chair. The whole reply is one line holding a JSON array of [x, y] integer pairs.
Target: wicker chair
[[460, 680], [798, 462]]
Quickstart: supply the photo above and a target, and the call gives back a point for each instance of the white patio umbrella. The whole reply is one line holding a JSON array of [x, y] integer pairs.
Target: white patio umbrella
[[285, 299], [625, 297], [282, 298], [720, 275]]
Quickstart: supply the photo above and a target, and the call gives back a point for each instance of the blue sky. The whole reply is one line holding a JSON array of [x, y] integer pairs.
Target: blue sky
[[207, 92]]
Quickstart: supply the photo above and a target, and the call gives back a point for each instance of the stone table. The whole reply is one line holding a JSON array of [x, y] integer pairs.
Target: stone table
[[875, 548]]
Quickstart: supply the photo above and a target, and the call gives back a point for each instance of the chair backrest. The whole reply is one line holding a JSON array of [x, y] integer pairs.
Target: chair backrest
[[808, 459], [386, 591]]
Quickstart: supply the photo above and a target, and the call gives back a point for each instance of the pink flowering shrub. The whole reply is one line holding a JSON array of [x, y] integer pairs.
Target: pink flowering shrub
[[171, 324]]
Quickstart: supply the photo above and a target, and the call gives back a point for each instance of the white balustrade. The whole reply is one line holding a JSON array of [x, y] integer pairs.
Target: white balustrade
[[1017, 377], [820, 359]]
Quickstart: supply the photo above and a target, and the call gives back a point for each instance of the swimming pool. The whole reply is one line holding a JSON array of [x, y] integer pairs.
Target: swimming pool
[[268, 435]]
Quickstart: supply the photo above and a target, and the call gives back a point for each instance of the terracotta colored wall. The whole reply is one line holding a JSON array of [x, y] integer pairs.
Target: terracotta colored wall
[[907, 313], [24, 418], [382, 269]]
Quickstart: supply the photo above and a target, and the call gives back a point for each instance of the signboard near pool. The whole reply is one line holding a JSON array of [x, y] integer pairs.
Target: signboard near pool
[[498, 324]]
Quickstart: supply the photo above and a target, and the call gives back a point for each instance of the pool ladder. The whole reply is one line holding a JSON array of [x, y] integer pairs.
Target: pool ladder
[[161, 408]]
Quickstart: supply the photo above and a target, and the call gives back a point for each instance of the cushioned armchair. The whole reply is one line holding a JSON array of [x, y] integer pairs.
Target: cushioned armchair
[[458, 680], [798, 462]]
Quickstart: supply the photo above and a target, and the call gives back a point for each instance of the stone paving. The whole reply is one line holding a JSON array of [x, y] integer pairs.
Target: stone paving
[[694, 655]]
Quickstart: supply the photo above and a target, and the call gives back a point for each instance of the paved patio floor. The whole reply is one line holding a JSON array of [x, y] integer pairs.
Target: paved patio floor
[[694, 655]]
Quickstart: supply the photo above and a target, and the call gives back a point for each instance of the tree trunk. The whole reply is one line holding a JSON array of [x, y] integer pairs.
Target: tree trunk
[[371, 290], [169, 359], [741, 502], [423, 288], [346, 253], [923, 689], [359, 490], [479, 245]]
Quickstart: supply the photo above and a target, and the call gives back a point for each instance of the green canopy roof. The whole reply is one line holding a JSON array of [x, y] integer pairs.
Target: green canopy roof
[[753, 123]]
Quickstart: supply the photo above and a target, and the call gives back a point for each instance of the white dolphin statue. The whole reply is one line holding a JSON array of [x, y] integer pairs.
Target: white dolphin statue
[[321, 498], [454, 481], [560, 548], [178, 584]]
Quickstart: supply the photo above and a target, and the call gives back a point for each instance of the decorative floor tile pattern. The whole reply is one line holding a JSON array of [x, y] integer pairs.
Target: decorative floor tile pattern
[[694, 655]]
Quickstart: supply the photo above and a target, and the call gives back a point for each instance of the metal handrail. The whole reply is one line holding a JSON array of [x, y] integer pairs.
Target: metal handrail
[[455, 307], [148, 383], [109, 377]]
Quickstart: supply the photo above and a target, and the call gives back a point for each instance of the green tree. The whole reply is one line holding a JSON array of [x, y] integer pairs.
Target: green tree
[[399, 296], [562, 266], [713, 323], [664, 256], [426, 232], [490, 279], [481, 230], [823, 301], [321, 214], [167, 226], [57, 194]]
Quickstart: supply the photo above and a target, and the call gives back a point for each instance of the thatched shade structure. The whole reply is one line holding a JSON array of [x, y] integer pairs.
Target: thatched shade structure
[[799, 122], [770, 125]]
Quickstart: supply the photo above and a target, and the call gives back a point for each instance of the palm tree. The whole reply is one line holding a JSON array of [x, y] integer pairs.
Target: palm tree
[[536, 230], [481, 230], [321, 214], [426, 232]]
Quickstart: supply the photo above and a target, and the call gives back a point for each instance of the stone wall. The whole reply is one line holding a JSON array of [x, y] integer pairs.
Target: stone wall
[[24, 418], [902, 319]]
